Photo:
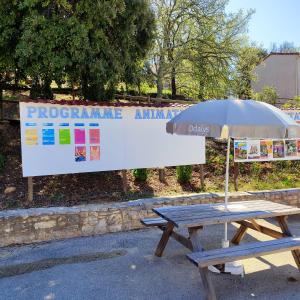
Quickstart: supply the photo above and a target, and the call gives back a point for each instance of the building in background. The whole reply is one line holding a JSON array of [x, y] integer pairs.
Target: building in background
[[281, 71]]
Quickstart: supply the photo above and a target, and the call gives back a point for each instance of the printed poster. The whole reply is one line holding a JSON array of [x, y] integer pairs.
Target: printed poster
[[266, 149], [64, 136], [240, 149], [253, 149], [298, 147], [95, 136], [79, 136], [31, 137], [290, 148], [48, 136], [80, 153], [278, 149], [95, 153]]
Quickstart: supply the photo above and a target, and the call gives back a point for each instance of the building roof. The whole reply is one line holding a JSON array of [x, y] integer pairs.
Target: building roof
[[281, 53]]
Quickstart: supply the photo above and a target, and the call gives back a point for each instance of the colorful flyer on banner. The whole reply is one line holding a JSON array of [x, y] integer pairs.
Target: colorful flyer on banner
[[80, 153], [278, 149], [79, 136], [31, 137], [240, 149], [290, 148], [298, 147], [95, 136], [48, 136], [95, 152], [253, 149], [266, 149], [64, 136]]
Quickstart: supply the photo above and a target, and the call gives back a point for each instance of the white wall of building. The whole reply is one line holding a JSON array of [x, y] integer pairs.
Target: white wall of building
[[281, 71]]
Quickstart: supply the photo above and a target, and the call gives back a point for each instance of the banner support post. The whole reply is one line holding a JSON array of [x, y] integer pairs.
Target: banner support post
[[30, 189]]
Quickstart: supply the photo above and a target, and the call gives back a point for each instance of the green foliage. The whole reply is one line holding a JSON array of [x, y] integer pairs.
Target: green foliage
[[196, 45], [184, 173], [94, 44], [268, 95], [140, 175], [2, 162], [256, 168], [248, 59]]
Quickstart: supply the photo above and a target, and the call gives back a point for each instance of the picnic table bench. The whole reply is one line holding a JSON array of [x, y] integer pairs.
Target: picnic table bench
[[245, 213]]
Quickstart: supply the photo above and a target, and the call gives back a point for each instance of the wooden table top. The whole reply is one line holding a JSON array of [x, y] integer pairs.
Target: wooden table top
[[208, 214]]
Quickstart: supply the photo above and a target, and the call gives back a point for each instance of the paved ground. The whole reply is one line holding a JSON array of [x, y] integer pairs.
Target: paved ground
[[122, 266]]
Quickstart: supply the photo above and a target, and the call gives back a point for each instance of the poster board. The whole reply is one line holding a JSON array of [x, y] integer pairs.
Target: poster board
[[61, 139], [266, 150]]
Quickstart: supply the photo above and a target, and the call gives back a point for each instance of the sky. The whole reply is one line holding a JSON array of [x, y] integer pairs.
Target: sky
[[274, 21]]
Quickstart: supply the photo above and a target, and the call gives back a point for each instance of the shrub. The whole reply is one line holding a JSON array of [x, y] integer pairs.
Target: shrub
[[184, 173], [268, 95], [140, 175]]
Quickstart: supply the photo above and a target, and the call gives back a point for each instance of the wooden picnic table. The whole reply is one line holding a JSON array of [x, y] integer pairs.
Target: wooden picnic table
[[245, 213]]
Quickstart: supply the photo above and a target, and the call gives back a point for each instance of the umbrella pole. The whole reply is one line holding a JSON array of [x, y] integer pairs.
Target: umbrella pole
[[226, 242]]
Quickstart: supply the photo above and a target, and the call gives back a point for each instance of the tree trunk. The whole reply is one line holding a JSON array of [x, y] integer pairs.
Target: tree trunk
[[159, 87], [173, 83], [160, 75]]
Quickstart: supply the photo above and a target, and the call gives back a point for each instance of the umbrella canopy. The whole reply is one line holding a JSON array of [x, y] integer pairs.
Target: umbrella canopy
[[234, 118]]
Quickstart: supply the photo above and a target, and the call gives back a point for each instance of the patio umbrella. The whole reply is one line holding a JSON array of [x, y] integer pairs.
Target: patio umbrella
[[233, 119]]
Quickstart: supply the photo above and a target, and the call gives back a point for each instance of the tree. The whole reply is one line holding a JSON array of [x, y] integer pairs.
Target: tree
[[248, 58], [90, 43], [195, 38], [9, 35]]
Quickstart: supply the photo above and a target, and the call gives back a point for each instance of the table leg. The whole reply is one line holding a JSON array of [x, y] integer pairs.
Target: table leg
[[164, 239], [286, 232], [195, 239], [239, 235], [206, 280]]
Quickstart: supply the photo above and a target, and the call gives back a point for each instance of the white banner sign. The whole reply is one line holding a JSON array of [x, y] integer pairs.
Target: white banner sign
[[266, 150], [294, 114], [61, 139]]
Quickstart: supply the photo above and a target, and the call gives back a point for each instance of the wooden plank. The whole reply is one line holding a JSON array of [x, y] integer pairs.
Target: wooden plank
[[164, 239], [244, 205], [239, 235], [30, 189], [154, 222], [216, 213], [182, 240], [202, 183], [206, 279], [194, 237], [219, 256], [265, 230], [228, 218], [124, 181], [196, 219], [286, 231], [209, 289], [161, 175]]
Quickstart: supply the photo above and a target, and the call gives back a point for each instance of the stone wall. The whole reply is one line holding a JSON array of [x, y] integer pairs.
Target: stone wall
[[44, 224]]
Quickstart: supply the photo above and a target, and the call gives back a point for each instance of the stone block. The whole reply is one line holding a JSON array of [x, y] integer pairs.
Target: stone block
[[45, 225]]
